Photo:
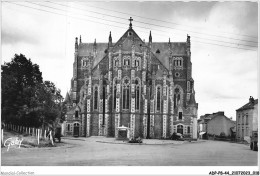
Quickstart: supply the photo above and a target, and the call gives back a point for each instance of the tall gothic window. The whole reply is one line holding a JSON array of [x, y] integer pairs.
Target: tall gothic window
[[188, 129], [158, 100], [177, 97], [137, 95], [115, 90], [126, 94], [126, 60], [76, 114], [96, 98], [188, 86], [178, 62], [180, 115]]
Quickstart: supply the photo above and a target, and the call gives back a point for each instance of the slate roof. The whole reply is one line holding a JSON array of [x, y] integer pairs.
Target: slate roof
[[177, 48], [67, 98], [249, 105], [86, 48]]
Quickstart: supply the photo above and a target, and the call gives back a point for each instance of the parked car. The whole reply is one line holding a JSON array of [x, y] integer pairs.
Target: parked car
[[176, 136], [254, 141]]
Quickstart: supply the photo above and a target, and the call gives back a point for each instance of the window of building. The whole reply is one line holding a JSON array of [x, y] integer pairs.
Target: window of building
[[180, 115], [238, 120], [76, 114], [188, 129], [246, 119], [177, 97], [126, 60], [115, 90], [96, 98], [126, 93], [188, 86], [177, 62], [158, 99], [137, 63], [137, 95], [68, 127], [116, 63]]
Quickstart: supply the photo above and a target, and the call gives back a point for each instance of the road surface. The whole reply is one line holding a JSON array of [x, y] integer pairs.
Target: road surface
[[89, 152]]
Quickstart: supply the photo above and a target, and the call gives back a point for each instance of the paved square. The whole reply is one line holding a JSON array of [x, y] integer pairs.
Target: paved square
[[100, 151]]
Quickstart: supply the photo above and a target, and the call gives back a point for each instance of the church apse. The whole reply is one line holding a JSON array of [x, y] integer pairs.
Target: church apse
[[145, 87]]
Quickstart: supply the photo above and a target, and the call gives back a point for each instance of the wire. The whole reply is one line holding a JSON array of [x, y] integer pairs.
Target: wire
[[164, 21], [112, 25], [137, 26]]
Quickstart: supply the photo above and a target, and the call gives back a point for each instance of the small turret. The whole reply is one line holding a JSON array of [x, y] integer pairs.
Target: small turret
[[188, 40], [95, 48], [150, 37], [169, 43], [76, 44], [110, 39], [80, 39]]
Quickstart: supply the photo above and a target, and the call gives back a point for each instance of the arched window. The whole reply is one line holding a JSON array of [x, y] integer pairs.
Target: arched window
[[177, 97], [180, 129], [180, 115], [96, 98], [188, 86], [137, 95], [76, 114], [188, 129], [126, 60], [158, 99], [126, 93], [115, 90], [116, 63]]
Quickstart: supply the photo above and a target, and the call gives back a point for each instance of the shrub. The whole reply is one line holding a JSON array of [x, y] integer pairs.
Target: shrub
[[136, 140], [222, 135]]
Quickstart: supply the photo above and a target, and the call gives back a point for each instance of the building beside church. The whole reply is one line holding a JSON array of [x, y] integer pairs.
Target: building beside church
[[214, 124], [247, 119], [146, 87]]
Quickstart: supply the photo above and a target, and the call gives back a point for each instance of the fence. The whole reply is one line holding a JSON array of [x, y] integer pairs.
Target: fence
[[38, 133]]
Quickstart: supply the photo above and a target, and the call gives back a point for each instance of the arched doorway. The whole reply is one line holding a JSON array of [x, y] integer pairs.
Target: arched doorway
[[76, 130], [180, 129]]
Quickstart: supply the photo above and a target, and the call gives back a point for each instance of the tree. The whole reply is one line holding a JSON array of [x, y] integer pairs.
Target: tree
[[26, 99], [17, 76]]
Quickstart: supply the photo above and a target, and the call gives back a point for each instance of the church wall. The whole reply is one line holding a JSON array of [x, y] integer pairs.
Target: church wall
[[158, 126], [94, 125], [125, 119], [158, 71], [138, 125]]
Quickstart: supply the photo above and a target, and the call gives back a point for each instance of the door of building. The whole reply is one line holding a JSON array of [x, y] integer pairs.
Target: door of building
[[180, 129], [76, 130]]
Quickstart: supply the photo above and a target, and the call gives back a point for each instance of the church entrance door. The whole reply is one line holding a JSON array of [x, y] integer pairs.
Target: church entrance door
[[76, 130], [180, 129]]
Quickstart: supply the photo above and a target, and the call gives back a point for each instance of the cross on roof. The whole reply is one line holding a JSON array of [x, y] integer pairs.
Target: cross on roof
[[130, 19]]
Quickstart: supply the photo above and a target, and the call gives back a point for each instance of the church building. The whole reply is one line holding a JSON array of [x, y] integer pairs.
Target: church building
[[145, 87]]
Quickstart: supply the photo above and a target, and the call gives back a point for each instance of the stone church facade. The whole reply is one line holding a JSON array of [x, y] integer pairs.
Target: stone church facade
[[146, 87]]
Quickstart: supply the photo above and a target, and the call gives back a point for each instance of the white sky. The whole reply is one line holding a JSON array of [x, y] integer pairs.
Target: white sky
[[224, 77]]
